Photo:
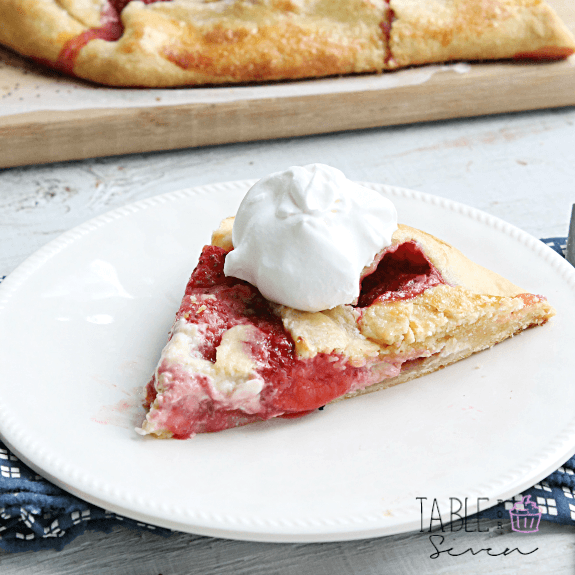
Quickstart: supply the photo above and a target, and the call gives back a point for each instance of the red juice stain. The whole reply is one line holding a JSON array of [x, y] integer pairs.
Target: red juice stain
[[385, 26], [547, 53]]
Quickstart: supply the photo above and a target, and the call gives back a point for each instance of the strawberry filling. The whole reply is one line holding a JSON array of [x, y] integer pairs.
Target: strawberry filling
[[402, 273], [110, 29], [385, 26], [293, 386]]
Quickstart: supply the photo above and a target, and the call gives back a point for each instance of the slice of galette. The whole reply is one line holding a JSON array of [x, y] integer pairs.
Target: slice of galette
[[234, 357]]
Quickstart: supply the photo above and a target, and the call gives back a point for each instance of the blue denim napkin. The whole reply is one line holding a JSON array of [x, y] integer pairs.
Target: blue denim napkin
[[35, 515]]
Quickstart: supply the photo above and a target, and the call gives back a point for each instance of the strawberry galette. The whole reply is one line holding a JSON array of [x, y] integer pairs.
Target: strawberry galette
[[234, 357], [191, 42]]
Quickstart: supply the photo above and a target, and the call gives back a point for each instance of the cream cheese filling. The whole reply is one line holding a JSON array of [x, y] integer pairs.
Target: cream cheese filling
[[232, 381]]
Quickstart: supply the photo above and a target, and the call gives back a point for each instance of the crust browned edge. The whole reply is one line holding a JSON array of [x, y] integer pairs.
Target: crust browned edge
[[38, 29], [475, 30]]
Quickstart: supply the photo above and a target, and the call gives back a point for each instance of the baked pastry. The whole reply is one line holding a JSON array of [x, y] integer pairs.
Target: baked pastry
[[190, 42], [159, 43], [443, 30], [234, 357]]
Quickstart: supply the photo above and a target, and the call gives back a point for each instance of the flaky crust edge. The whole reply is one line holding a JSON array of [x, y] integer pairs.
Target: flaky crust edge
[[37, 28], [461, 30]]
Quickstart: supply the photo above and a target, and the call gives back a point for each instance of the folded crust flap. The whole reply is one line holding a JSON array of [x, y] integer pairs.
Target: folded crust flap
[[456, 268]]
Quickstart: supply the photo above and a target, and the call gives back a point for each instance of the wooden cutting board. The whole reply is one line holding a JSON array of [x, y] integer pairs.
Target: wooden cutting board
[[40, 135]]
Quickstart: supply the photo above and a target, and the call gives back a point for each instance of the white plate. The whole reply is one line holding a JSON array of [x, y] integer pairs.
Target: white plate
[[84, 320]]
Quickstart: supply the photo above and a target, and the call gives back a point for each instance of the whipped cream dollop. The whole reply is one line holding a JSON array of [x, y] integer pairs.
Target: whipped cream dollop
[[303, 236]]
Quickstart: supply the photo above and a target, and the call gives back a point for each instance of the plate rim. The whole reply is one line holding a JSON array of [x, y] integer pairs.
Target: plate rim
[[15, 438]]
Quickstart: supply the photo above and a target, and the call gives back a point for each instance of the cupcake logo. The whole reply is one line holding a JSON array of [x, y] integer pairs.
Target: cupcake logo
[[525, 516]]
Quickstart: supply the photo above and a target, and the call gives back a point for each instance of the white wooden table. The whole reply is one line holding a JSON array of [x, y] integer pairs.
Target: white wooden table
[[519, 167]]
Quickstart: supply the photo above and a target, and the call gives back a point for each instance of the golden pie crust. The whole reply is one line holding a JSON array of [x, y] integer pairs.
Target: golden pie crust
[[477, 309], [443, 30], [199, 42]]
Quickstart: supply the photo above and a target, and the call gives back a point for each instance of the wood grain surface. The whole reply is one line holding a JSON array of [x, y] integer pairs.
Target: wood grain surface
[[43, 136], [125, 552]]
